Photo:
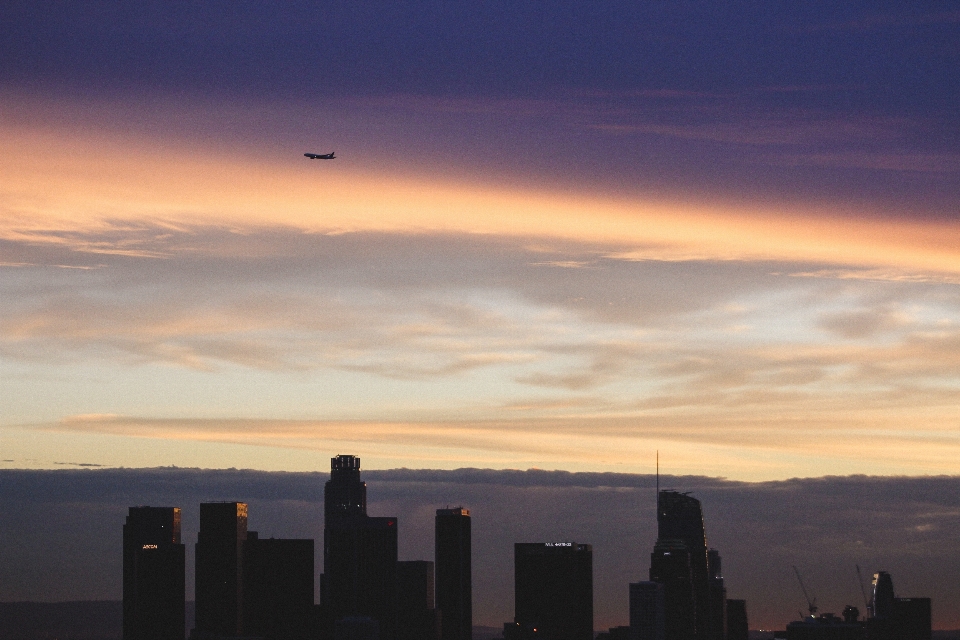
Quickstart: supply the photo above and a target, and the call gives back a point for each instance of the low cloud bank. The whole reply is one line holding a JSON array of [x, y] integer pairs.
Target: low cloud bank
[[62, 529]]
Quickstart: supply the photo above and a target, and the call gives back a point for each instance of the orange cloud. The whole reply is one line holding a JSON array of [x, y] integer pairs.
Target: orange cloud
[[747, 449], [56, 180]]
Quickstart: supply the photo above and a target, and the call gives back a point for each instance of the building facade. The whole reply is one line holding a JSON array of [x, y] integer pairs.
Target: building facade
[[553, 590], [738, 627], [680, 520], [153, 574], [647, 611], [219, 569], [359, 552], [454, 573], [417, 615], [716, 624], [278, 579], [670, 566]]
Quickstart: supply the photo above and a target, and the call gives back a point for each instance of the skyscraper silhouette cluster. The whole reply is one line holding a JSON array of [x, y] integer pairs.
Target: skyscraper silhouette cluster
[[248, 587], [264, 588], [888, 618], [685, 598]]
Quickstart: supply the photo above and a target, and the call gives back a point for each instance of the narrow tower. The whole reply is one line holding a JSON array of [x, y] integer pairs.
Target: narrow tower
[[153, 574], [359, 552], [454, 582], [219, 564], [681, 518]]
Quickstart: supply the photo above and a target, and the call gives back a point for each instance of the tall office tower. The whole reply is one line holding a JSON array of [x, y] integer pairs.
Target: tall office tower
[[553, 590], [680, 517], [153, 574], [359, 552], [277, 588], [893, 618], [454, 581], [717, 598], [913, 619], [737, 626], [219, 567], [647, 614], [344, 494], [670, 566], [881, 606], [416, 607]]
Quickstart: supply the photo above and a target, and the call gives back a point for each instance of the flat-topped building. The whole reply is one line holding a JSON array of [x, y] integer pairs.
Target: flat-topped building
[[219, 569], [454, 573], [553, 590], [153, 574]]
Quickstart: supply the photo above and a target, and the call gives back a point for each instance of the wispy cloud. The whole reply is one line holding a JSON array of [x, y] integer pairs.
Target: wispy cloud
[[862, 323], [77, 464], [878, 275], [906, 160], [678, 344]]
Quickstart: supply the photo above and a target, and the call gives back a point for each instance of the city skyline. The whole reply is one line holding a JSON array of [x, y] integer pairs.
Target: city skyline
[[553, 236], [239, 580], [62, 530]]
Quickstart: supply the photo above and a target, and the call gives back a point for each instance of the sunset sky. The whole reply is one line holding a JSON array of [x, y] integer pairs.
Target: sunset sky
[[560, 235]]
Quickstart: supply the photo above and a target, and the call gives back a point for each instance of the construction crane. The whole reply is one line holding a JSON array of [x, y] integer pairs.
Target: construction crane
[[863, 591], [811, 604]]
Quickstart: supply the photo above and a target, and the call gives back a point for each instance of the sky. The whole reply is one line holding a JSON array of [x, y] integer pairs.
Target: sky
[[557, 235], [61, 530], [562, 236]]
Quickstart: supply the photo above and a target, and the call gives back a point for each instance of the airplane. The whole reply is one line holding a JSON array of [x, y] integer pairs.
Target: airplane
[[321, 156]]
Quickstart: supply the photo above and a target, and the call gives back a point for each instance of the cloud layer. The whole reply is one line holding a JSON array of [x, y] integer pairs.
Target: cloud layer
[[727, 233], [476, 348]]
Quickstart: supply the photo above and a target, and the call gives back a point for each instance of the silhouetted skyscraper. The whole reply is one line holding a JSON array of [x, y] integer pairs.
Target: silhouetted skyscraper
[[881, 606], [553, 589], [680, 518], [359, 552], [344, 494], [893, 618], [716, 627], [454, 578], [277, 588], [416, 606], [913, 618], [153, 574], [670, 566], [738, 627], [219, 568], [647, 613]]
